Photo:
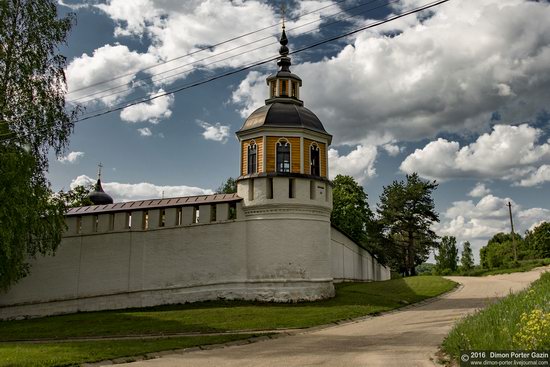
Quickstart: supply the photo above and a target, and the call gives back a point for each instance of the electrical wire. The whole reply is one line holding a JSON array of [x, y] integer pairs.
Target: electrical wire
[[121, 88], [262, 62], [201, 49]]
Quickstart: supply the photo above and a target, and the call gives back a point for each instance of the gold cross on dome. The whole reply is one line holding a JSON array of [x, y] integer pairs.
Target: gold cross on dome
[[283, 12], [99, 167]]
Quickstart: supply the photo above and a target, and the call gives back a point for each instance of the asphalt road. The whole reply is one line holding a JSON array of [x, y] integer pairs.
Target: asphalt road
[[404, 338]]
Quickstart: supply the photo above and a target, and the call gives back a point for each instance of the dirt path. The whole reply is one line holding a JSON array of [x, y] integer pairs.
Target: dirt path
[[404, 338]]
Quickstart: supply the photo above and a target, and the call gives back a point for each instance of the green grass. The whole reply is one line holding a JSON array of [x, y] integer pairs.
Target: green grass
[[352, 300], [525, 265], [518, 321], [75, 353]]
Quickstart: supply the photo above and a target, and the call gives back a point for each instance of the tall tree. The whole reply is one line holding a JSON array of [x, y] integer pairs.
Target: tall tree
[[33, 121], [538, 240], [499, 250], [228, 187], [406, 211], [447, 255], [350, 211], [467, 256], [352, 215]]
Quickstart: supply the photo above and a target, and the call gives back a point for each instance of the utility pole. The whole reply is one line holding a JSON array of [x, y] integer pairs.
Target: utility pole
[[513, 236]]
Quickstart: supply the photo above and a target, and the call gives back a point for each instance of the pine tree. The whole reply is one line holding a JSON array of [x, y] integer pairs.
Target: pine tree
[[447, 256], [467, 257], [407, 212]]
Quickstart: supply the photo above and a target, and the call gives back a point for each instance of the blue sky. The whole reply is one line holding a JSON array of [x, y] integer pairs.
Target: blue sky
[[459, 94]]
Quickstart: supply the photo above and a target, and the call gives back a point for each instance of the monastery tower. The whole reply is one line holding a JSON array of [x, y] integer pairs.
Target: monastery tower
[[286, 192]]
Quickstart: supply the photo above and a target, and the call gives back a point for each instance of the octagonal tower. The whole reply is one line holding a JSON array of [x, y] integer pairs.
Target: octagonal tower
[[287, 197]]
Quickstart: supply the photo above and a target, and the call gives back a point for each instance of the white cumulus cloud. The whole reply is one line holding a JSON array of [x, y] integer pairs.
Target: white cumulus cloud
[[215, 132], [508, 152], [152, 111], [140, 191], [479, 190], [359, 163], [447, 73], [104, 66], [538, 177], [478, 221], [145, 131], [72, 157]]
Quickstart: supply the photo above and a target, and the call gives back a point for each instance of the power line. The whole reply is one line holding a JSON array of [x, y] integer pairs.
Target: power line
[[125, 87], [202, 49], [208, 80], [265, 45]]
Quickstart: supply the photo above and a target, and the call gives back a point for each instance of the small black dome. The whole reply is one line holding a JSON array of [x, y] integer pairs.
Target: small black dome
[[283, 115], [98, 196]]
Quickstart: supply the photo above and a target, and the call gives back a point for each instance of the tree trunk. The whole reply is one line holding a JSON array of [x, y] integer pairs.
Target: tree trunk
[[410, 252]]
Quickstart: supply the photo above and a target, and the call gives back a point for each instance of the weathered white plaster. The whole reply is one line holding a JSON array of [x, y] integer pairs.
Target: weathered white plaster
[[351, 262], [281, 249]]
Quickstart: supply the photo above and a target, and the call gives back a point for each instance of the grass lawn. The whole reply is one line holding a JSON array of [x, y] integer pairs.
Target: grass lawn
[[75, 353], [524, 265], [520, 321], [352, 300]]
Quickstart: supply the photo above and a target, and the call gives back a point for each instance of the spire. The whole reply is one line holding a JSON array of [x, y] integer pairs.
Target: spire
[[283, 51], [284, 61], [99, 167], [284, 87]]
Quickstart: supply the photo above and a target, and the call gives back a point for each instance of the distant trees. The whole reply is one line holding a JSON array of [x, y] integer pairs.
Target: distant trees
[[499, 251], [79, 196], [538, 241], [227, 187], [406, 213], [467, 257], [446, 257]]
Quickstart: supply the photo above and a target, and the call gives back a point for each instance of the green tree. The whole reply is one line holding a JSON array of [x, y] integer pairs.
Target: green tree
[[447, 256], [33, 121], [406, 212], [499, 251], [350, 209], [352, 215], [79, 196], [228, 187], [538, 240], [425, 269], [467, 256]]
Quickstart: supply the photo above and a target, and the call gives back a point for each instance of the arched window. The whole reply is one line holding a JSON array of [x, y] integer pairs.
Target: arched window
[[283, 156], [315, 162], [252, 158]]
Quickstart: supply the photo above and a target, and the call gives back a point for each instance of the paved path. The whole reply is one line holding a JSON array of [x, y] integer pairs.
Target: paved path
[[404, 338]]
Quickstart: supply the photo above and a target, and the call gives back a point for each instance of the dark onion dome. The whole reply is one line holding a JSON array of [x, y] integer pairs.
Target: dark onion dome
[[283, 115], [98, 196]]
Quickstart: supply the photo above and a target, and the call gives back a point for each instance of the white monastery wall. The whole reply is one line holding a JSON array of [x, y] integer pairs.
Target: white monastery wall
[[124, 268], [351, 262], [270, 252]]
